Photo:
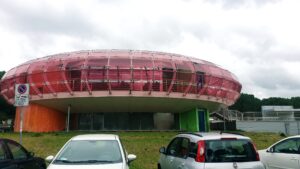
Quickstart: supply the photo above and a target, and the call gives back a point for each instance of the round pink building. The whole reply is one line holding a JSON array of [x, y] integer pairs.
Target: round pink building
[[120, 90]]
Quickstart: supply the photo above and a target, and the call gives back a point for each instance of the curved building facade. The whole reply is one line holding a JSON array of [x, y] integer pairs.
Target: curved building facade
[[113, 89]]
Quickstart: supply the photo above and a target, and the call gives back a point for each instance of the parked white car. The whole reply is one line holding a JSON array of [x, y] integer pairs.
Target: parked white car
[[92, 151], [209, 151], [283, 154]]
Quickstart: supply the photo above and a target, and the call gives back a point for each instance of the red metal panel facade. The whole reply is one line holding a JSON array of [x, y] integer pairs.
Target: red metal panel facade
[[111, 70]]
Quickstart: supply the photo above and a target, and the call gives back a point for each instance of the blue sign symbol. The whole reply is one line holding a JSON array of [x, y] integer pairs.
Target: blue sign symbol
[[22, 89]]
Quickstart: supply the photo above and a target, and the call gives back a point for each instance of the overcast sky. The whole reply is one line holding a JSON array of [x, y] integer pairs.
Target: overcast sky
[[257, 40]]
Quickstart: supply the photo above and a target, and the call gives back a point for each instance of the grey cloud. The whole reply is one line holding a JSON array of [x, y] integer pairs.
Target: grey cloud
[[48, 21], [283, 93], [252, 45], [289, 55], [233, 4], [163, 33], [264, 47], [259, 38], [202, 30], [274, 77], [147, 35], [41, 26]]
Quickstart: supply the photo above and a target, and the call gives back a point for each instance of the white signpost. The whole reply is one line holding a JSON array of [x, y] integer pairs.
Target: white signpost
[[21, 100]]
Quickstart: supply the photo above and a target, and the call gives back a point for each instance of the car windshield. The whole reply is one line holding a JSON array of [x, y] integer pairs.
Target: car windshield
[[229, 151], [90, 152]]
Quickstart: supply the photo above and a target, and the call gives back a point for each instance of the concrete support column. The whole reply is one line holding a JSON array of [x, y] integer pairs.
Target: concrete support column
[[68, 118]]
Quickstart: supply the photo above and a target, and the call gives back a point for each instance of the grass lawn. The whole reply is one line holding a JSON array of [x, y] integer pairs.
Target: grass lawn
[[143, 144]]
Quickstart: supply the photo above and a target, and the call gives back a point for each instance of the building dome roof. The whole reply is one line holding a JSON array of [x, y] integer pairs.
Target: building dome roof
[[122, 73]]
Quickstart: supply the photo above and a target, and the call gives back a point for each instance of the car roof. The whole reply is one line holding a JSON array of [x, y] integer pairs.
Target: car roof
[[96, 137], [211, 136], [296, 136], [7, 139]]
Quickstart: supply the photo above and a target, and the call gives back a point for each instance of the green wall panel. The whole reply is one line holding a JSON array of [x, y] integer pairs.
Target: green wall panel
[[189, 121]]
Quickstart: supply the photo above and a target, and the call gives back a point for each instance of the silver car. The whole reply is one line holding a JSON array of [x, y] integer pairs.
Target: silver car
[[92, 151], [209, 151], [283, 154]]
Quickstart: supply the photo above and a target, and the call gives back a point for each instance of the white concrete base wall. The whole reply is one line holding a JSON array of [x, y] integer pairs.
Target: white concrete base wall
[[286, 127]]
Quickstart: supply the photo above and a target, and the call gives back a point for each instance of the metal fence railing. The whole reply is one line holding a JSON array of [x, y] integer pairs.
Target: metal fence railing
[[234, 115]]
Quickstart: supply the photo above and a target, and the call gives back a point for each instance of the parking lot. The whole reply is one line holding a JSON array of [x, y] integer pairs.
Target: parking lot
[[144, 144]]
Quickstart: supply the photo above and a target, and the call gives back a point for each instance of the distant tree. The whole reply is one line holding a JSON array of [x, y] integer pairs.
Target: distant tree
[[1, 74], [296, 102], [277, 101], [247, 102], [2, 101], [6, 110], [3, 104]]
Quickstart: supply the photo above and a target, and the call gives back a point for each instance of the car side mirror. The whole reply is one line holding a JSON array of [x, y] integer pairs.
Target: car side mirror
[[49, 159], [270, 150], [131, 157], [162, 150]]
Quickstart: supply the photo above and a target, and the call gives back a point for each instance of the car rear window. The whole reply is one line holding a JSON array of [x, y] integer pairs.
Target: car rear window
[[229, 151]]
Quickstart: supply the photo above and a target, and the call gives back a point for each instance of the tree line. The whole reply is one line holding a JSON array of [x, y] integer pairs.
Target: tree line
[[248, 102], [6, 110]]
